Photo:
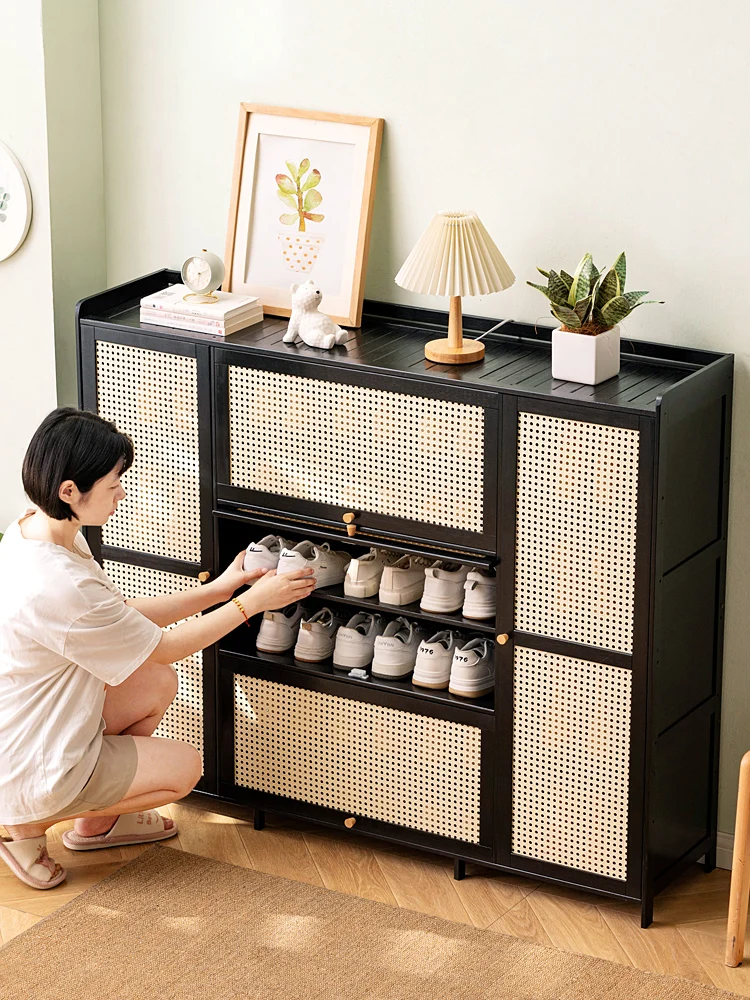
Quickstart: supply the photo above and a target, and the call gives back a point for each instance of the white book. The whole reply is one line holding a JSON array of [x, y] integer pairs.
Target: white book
[[159, 317], [249, 317], [172, 299]]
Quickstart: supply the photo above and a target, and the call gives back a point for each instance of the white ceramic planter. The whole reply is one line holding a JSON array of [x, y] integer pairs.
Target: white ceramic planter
[[579, 357]]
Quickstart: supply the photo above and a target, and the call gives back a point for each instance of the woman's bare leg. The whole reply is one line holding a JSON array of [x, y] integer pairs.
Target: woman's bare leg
[[134, 708], [167, 770]]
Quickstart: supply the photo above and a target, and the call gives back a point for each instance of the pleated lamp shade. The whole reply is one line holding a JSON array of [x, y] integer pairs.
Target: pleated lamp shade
[[455, 256]]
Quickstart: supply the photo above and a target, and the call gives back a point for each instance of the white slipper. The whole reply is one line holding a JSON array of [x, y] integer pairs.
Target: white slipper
[[29, 861], [129, 828]]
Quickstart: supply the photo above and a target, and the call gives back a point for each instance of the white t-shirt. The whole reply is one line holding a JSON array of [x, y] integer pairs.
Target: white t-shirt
[[65, 632]]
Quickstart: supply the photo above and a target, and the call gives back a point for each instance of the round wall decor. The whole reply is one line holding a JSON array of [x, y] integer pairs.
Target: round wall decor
[[15, 203]]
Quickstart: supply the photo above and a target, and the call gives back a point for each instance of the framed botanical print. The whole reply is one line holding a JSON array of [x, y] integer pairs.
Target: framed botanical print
[[301, 207]]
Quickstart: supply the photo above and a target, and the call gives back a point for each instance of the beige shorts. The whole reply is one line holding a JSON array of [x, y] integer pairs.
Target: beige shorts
[[110, 780]]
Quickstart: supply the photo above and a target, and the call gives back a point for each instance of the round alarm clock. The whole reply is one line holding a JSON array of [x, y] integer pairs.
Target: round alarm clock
[[202, 273]]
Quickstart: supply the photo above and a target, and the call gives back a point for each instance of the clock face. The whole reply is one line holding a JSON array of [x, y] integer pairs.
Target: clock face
[[197, 274]]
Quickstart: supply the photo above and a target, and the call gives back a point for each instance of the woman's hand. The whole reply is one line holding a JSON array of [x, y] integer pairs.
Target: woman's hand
[[272, 592], [234, 577]]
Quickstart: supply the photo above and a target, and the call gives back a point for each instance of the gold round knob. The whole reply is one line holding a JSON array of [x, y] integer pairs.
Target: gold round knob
[[350, 822], [502, 639], [203, 576], [348, 518]]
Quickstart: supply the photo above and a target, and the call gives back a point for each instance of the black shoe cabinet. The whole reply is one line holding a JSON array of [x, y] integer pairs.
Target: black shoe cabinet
[[603, 510]]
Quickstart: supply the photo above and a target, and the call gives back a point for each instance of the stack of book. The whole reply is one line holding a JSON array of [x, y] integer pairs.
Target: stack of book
[[231, 313]]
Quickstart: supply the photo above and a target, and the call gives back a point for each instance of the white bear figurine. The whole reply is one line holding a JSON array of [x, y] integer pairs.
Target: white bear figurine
[[307, 324]]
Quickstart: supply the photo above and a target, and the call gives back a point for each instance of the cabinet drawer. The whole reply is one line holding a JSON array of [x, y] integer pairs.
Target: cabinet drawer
[[298, 740], [323, 442]]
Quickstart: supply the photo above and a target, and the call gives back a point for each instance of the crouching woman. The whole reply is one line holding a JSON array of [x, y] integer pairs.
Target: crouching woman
[[86, 675]]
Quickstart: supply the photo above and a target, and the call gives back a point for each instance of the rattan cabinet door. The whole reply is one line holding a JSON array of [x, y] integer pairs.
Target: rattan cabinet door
[[389, 763], [576, 518], [571, 687], [157, 392], [190, 716], [320, 441]]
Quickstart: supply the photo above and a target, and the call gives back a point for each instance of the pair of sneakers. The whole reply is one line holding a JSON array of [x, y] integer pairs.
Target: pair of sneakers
[[451, 586], [446, 660], [279, 553], [317, 637], [440, 587]]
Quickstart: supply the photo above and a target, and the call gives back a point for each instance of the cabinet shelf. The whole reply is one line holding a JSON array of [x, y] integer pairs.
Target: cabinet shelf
[[455, 621], [237, 645], [270, 520]]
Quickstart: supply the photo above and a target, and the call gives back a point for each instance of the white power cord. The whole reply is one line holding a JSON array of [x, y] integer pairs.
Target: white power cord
[[492, 329]]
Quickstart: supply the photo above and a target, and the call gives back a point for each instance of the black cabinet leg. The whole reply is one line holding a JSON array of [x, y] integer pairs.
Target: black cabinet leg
[[259, 819], [647, 911], [709, 861], [459, 869]]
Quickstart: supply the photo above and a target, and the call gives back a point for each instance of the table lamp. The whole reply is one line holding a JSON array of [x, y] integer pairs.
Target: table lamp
[[455, 256]]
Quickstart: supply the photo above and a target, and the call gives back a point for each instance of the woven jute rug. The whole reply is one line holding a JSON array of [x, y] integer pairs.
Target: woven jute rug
[[175, 926]]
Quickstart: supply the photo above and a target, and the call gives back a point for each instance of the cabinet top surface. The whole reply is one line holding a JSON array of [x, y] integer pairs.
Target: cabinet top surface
[[391, 340]]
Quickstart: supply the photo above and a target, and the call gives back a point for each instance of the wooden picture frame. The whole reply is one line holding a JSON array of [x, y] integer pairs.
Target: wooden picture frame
[[275, 170]]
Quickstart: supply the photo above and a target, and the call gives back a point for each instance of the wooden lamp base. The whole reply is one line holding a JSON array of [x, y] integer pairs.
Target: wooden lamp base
[[453, 350]]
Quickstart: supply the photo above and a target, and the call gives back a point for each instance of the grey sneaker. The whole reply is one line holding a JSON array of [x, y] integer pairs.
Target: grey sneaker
[[473, 669], [316, 636], [434, 659], [396, 649], [278, 629], [355, 642]]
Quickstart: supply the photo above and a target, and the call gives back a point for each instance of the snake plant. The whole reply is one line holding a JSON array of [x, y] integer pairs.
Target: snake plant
[[587, 301]]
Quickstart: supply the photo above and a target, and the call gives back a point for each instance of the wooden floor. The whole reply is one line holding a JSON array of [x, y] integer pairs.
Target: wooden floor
[[686, 938]]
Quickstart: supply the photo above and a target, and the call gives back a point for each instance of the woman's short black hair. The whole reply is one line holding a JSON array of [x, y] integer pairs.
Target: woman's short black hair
[[71, 444]]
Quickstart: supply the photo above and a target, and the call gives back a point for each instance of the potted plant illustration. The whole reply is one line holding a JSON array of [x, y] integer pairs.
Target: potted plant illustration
[[589, 306], [301, 249]]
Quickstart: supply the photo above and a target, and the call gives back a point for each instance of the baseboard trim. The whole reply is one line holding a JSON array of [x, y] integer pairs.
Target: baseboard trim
[[724, 849]]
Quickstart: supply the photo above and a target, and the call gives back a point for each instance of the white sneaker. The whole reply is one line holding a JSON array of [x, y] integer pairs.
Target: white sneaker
[[316, 636], [443, 587], [278, 629], [329, 567], [265, 553], [396, 649], [473, 669], [434, 658], [480, 594], [403, 582], [363, 574], [355, 641]]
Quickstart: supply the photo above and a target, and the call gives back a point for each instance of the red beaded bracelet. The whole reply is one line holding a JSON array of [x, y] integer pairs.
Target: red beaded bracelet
[[235, 600]]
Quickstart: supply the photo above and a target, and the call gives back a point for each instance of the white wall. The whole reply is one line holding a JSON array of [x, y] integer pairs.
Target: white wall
[[594, 127], [27, 368], [76, 171]]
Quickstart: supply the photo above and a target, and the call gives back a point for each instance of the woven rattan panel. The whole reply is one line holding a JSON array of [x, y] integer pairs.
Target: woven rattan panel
[[359, 758], [571, 753], [575, 530], [183, 720], [372, 450], [153, 397]]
